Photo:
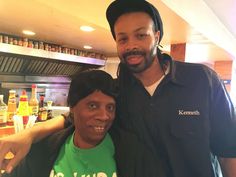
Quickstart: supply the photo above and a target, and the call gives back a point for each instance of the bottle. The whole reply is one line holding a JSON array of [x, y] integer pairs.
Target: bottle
[[1, 38], [23, 108], [42, 116], [33, 102], [11, 108], [25, 42], [3, 112], [49, 109]]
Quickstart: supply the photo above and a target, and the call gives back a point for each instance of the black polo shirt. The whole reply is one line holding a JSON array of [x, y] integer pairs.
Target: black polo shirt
[[174, 132]]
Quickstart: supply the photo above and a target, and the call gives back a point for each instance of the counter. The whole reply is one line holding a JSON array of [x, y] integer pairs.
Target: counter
[[5, 131], [56, 110]]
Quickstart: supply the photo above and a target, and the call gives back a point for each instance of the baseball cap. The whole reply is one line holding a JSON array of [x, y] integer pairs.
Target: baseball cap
[[120, 7]]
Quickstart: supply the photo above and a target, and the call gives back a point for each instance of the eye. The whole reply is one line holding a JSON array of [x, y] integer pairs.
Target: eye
[[111, 107], [92, 106], [122, 40], [141, 36]]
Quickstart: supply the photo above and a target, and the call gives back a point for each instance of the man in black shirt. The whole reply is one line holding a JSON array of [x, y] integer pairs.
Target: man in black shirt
[[173, 117]]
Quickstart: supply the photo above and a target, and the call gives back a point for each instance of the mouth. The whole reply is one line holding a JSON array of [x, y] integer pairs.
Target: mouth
[[133, 59], [99, 129]]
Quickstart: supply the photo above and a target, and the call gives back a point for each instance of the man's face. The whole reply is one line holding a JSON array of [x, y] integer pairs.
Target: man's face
[[93, 116], [136, 40]]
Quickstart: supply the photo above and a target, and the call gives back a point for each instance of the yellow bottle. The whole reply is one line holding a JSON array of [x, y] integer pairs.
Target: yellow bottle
[[11, 110], [23, 108], [33, 102]]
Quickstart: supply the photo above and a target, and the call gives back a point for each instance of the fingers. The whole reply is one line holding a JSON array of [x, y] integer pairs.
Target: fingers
[[9, 161], [12, 163], [3, 153], [17, 144], [1, 172], [5, 162], [9, 168]]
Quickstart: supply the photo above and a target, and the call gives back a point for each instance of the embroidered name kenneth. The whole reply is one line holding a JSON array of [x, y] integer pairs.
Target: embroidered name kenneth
[[189, 113]]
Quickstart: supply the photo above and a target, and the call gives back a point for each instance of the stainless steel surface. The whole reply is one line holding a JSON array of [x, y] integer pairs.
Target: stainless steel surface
[[19, 60]]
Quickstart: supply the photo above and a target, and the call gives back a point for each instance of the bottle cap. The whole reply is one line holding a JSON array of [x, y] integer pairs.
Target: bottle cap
[[23, 96], [12, 91], [34, 86], [23, 92]]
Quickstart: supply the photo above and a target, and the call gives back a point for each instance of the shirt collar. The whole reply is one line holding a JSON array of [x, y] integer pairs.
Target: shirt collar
[[175, 73]]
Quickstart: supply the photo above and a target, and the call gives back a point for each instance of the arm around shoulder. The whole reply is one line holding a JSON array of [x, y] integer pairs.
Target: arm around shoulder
[[19, 144], [43, 129]]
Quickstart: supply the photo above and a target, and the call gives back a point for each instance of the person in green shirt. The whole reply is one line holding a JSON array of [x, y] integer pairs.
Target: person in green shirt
[[83, 148]]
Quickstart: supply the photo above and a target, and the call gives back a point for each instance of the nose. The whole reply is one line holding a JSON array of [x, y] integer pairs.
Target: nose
[[131, 44], [103, 114]]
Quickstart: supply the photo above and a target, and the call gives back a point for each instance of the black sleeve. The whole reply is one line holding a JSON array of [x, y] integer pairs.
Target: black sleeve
[[223, 121]]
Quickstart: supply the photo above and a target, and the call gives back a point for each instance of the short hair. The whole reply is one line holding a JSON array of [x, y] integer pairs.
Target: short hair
[[86, 82]]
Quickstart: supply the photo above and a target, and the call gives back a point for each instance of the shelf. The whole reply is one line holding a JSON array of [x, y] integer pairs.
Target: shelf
[[25, 51]]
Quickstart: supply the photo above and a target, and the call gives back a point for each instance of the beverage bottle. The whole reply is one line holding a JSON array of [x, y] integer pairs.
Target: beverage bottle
[[3, 112], [11, 107], [49, 109], [33, 102], [23, 108], [42, 116]]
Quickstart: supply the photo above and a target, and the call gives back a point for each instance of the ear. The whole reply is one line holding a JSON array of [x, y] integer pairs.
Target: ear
[[157, 37], [72, 110]]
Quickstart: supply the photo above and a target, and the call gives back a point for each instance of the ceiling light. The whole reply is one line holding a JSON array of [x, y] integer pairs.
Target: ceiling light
[[87, 47], [27, 32], [87, 28]]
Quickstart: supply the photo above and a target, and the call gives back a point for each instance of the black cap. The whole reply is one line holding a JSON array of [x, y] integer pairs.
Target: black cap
[[119, 7]]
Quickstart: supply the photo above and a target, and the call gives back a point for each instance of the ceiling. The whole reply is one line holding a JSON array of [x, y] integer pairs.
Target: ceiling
[[207, 26]]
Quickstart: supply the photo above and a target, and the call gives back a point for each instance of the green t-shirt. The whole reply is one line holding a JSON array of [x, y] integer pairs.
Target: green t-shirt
[[94, 162]]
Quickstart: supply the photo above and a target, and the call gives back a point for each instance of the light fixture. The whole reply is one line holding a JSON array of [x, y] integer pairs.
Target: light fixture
[[87, 47], [28, 32], [87, 28]]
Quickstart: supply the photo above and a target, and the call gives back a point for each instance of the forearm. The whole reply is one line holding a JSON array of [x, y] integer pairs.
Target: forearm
[[228, 166], [19, 144], [43, 129]]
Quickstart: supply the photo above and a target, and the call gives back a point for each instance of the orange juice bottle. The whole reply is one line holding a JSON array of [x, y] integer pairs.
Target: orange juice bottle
[[11, 109]]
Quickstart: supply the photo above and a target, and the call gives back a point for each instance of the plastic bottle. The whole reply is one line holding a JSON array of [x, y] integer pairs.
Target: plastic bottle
[[49, 109], [11, 109], [42, 116], [33, 102], [3, 112], [23, 108]]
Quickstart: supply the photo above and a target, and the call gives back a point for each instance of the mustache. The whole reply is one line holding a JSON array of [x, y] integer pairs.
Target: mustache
[[133, 52]]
